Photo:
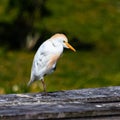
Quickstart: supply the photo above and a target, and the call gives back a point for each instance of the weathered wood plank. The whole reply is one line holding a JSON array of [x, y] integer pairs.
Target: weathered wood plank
[[96, 104]]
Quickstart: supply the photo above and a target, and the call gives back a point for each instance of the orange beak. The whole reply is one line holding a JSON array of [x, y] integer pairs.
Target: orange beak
[[69, 46]]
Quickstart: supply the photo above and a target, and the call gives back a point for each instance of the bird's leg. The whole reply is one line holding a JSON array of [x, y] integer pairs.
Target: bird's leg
[[44, 85]]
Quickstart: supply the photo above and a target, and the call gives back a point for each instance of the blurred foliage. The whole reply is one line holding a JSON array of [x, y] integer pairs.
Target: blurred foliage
[[96, 21], [74, 71], [89, 21], [93, 28], [20, 18]]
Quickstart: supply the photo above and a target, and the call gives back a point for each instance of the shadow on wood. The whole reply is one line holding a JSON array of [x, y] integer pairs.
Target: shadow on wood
[[95, 104]]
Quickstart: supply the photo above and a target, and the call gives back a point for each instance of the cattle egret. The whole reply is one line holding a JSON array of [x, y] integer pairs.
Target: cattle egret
[[46, 57]]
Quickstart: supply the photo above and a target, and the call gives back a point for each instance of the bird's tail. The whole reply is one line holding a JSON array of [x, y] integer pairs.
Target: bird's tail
[[31, 81]]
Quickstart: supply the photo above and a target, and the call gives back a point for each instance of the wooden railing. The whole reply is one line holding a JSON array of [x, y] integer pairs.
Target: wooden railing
[[84, 104]]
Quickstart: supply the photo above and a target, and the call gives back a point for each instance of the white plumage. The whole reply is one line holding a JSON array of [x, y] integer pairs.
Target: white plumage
[[45, 59]]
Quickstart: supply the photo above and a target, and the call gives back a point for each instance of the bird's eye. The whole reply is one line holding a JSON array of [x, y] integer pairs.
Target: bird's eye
[[64, 41]]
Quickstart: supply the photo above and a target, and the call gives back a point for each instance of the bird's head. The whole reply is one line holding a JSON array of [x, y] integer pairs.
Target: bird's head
[[61, 38]]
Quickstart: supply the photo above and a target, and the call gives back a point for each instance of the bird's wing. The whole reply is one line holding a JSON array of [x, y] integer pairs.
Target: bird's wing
[[41, 59]]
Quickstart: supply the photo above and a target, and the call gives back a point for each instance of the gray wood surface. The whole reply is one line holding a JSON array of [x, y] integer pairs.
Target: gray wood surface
[[84, 104]]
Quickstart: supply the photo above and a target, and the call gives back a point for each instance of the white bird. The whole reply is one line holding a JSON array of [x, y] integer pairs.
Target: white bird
[[46, 57]]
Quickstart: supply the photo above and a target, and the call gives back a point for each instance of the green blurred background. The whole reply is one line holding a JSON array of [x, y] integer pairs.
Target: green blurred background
[[93, 28]]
